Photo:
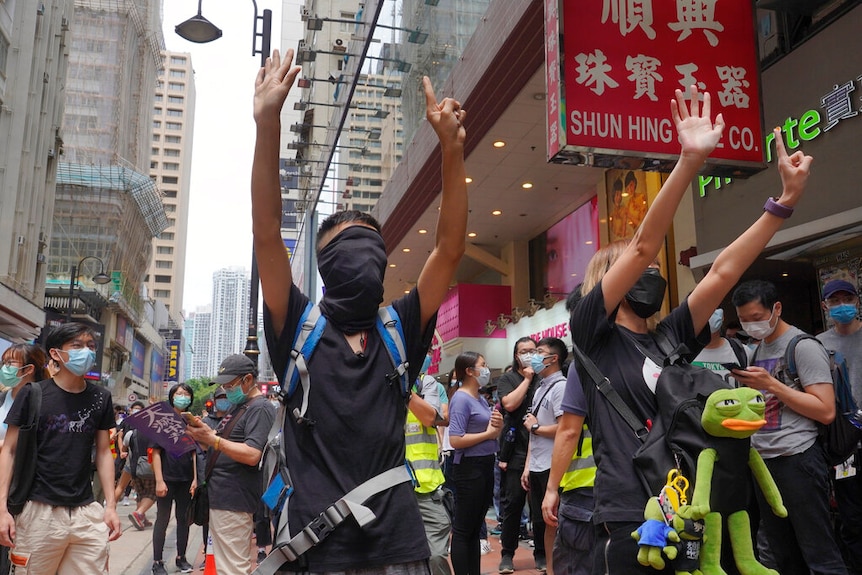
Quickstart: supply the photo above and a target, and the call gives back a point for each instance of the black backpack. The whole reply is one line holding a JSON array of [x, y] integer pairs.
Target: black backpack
[[675, 437], [841, 437]]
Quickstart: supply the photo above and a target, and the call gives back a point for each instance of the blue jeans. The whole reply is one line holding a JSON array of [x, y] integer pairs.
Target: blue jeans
[[474, 488], [804, 540]]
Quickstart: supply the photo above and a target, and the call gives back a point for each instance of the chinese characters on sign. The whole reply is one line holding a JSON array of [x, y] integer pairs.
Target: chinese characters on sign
[[162, 425], [621, 61]]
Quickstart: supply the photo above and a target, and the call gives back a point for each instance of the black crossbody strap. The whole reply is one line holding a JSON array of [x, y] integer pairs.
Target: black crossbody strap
[[603, 384]]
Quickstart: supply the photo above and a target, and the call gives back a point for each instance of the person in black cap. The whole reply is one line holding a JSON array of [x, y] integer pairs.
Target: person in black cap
[[236, 446], [841, 305], [353, 429]]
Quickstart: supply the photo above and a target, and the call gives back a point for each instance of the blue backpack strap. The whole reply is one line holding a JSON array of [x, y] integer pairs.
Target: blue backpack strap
[[311, 325], [389, 328]]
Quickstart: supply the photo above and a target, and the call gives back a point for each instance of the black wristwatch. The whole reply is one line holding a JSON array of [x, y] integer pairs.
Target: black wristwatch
[[535, 428]]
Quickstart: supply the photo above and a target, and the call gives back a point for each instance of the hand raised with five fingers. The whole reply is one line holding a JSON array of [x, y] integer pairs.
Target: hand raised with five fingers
[[446, 117], [697, 134], [272, 85], [794, 170]]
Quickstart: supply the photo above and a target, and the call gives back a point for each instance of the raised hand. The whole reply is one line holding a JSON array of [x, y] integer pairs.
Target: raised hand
[[446, 117], [697, 133], [272, 85], [794, 170]]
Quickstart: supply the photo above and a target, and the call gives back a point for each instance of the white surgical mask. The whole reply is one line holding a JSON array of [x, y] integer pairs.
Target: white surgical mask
[[760, 329], [715, 320], [484, 376]]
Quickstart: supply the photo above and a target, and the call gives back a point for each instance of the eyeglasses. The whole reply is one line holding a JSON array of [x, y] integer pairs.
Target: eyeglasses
[[233, 384], [11, 363]]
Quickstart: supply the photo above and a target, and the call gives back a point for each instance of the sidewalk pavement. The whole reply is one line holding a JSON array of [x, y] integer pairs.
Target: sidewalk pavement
[[132, 553]]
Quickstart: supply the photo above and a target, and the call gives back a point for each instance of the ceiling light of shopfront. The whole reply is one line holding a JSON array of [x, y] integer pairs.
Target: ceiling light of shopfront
[[589, 242], [405, 250], [497, 213], [527, 185], [785, 274], [499, 144], [468, 179], [539, 96], [392, 265], [471, 235], [423, 231]]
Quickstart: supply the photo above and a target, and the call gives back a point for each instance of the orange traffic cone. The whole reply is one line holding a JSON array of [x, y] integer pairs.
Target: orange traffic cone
[[209, 563]]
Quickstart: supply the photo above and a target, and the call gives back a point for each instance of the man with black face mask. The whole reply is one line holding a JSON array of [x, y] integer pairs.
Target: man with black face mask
[[353, 429]]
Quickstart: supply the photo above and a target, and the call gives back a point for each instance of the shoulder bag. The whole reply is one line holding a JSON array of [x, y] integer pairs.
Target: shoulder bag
[[24, 465]]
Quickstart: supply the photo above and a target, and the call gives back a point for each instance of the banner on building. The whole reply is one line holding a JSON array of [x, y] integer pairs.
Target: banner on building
[[139, 351], [172, 366], [612, 67], [157, 366]]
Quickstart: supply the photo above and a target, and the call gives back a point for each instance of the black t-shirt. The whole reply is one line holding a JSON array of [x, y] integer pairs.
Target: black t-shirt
[[235, 486], [618, 491], [66, 435], [358, 434], [506, 384], [178, 469]]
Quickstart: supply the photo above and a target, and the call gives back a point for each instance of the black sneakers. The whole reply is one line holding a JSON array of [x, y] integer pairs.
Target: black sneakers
[[159, 568], [184, 566], [506, 565]]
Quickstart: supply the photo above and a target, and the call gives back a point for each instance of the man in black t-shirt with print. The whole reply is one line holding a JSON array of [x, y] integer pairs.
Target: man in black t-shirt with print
[[237, 446], [61, 528]]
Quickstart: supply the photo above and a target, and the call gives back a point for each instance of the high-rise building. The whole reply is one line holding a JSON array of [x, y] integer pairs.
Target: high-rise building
[[229, 324], [107, 209], [199, 342], [170, 167], [33, 64]]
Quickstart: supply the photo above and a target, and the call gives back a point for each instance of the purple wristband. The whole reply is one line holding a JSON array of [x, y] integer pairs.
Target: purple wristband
[[776, 209]]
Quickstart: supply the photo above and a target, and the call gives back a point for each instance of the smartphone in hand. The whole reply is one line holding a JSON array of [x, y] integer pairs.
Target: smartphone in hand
[[732, 366], [191, 418]]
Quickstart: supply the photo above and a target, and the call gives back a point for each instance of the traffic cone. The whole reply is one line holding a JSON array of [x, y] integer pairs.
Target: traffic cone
[[209, 563]]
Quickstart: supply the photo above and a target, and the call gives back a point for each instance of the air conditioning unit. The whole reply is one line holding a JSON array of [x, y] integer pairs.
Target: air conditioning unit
[[338, 46], [51, 152], [304, 14]]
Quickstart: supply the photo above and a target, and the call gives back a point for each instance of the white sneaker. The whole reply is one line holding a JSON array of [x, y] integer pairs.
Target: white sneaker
[[484, 546], [125, 502]]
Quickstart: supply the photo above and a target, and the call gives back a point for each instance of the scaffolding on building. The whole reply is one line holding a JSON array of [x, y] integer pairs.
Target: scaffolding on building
[[105, 205]]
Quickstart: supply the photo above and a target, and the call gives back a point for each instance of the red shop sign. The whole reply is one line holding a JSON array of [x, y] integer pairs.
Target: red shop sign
[[612, 67]]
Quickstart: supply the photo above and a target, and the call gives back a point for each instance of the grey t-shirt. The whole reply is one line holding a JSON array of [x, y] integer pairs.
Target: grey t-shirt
[[850, 347], [787, 432], [546, 414], [713, 358]]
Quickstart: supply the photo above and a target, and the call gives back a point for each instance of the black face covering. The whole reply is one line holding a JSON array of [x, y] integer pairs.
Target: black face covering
[[646, 295], [352, 266]]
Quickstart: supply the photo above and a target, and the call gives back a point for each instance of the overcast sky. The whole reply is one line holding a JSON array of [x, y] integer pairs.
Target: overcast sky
[[220, 208]]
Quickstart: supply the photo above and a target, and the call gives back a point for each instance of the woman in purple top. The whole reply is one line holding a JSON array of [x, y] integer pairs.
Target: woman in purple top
[[473, 431]]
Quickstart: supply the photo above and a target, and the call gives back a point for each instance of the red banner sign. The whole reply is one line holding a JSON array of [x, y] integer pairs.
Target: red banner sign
[[620, 62]]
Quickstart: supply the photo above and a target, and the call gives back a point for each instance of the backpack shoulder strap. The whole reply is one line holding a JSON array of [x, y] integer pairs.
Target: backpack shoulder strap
[[308, 333], [603, 384], [389, 328], [738, 350], [790, 354]]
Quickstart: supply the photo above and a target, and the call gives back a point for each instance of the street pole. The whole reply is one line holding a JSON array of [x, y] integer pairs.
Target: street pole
[[252, 350], [73, 275]]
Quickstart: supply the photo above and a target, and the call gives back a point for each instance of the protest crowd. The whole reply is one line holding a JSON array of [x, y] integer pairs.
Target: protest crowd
[[365, 463]]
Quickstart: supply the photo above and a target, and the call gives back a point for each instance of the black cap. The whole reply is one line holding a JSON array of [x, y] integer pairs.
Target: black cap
[[234, 366]]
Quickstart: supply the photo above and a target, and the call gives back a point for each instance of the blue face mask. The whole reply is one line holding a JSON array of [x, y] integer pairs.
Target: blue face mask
[[9, 375], [426, 364], [537, 362], [80, 360], [843, 313], [236, 395], [715, 320], [222, 404], [182, 402]]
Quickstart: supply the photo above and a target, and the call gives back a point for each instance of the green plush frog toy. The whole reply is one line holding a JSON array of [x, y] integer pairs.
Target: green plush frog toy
[[722, 484]]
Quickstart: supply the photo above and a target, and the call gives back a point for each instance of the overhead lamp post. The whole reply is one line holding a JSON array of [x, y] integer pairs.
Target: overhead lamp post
[[100, 278], [198, 29], [252, 350]]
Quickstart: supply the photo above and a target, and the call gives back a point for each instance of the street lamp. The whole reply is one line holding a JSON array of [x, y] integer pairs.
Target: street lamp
[[198, 29], [252, 350], [100, 278]]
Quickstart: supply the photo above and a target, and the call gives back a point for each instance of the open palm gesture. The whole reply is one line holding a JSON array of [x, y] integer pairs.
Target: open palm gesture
[[273, 83], [697, 134]]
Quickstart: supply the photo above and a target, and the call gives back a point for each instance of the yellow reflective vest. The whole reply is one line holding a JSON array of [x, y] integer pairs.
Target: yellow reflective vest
[[421, 452], [582, 468]]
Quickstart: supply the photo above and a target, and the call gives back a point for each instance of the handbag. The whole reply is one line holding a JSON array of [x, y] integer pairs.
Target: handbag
[[143, 468], [199, 507], [24, 465]]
